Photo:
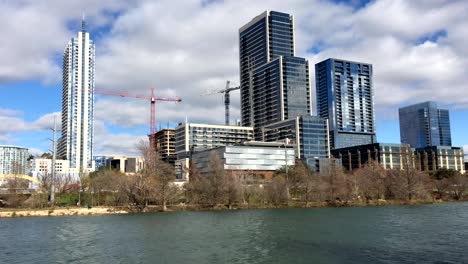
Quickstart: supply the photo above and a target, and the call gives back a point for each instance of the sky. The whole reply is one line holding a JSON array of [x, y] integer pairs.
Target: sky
[[418, 48]]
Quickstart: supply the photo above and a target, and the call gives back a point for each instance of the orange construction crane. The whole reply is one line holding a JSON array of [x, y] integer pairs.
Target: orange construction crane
[[152, 99]]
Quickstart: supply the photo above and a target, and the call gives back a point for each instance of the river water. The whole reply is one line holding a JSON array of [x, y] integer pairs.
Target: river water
[[391, 234]]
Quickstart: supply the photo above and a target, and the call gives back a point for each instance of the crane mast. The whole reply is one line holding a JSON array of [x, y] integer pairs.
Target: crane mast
[[152, 100], [227, 99]]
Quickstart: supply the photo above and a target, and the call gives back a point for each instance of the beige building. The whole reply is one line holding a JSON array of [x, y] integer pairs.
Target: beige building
[[125, 164]]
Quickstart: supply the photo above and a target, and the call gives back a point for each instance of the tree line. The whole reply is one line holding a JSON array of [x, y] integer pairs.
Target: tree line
[[295, 186]]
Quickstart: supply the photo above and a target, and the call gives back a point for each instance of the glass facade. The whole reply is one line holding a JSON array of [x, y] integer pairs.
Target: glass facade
[[309, 135], [345, 96], [246, 158], [275, 85], [423, 125]]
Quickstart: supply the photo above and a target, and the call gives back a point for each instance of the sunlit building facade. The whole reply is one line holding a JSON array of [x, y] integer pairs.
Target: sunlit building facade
[[77, 139], [345, 96], [423, 125], [275, 85]]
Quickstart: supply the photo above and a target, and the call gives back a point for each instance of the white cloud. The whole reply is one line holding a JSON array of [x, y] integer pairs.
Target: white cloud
[[12, 122], [114, 143]]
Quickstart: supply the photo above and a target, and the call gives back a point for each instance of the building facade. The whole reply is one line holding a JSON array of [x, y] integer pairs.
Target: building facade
[[389, 156], [255, 161], [122, 163], [309, 134], [13, 160], [44, 166], [275, 85], [77, 139], [345, 96], [402, 156], [191, 138], [164, 141], [423, 125], [433, 158]]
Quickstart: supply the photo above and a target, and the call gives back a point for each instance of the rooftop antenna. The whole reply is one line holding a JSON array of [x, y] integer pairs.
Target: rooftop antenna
[[83, 22]]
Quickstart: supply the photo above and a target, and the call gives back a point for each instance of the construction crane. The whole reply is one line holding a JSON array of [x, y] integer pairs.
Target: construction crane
[[227, 99], [152, 100]]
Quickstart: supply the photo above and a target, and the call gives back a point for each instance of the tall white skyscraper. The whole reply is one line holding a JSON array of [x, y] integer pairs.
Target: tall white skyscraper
[[76, 143]]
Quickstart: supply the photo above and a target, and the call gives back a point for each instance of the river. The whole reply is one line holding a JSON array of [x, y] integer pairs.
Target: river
[[391, 234]]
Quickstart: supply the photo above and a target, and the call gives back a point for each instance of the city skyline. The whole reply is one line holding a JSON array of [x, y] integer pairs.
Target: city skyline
[[426, 63]]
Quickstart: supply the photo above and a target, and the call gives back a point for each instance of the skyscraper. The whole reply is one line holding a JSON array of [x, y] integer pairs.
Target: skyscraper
[[275, 84], [76, 142], [423, 125], [345, 96]]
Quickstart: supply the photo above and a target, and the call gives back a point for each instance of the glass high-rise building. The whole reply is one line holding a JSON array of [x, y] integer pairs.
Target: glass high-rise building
[[77, 139], [423, 125], [275, 84], [345, 96]]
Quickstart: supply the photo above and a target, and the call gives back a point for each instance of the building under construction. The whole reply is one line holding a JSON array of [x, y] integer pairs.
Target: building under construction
[[164, 144]]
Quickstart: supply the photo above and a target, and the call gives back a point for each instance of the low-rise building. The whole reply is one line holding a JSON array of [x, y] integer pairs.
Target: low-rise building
[[390, 156], [400, 156], [125, 164], [191, 138], [439, 157], [252, 161]]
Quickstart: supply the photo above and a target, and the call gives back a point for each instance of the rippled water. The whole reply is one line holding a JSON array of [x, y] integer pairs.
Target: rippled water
[[392, 234]]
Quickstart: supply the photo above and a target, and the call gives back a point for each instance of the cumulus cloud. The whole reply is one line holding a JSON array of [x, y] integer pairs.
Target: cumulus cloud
[[12, 122], [114, 143]]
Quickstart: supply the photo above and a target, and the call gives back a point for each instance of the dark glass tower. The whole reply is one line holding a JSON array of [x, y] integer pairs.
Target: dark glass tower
[[423, 125], [345, 96], [275, 85]]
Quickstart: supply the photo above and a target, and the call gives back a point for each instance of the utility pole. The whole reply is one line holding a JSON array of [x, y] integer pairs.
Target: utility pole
[[54, 156]]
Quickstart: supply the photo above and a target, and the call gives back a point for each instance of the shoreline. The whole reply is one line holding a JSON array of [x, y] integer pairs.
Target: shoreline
[[58, 211], [110, 210]]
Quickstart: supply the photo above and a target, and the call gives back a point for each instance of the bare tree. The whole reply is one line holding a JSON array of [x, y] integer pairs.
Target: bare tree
[[276, 191], [458, 185], [370, 181], [157, 178]]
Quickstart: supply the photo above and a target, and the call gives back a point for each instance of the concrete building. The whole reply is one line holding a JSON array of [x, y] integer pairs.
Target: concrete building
[[125, 164], [423, 125], [13, 160], [309, 134], [191, 138], [275, 85], [252, 161], [164, 141], [345, 96], [77, 139], [44, 166]]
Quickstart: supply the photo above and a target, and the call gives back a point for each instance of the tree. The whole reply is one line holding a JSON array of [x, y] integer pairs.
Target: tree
[[370, 181], [336, 186], [157, 178], [458, 185], [276, 191]]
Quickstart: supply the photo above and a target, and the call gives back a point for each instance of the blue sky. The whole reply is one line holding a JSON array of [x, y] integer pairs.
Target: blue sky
[[418, 49]]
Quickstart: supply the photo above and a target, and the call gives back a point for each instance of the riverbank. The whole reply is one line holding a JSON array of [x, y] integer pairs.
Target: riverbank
[[76, 211], [60, 212]]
